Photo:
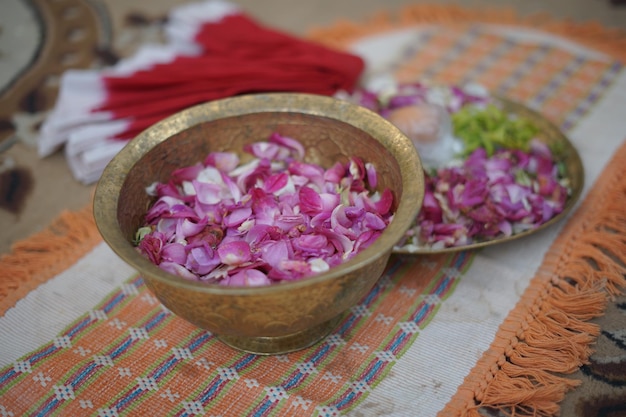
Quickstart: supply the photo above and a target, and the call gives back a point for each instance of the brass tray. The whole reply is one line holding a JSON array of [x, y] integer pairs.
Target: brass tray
[[567, 153]]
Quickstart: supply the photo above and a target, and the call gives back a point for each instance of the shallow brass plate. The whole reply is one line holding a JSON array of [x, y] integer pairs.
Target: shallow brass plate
[[567, 154]]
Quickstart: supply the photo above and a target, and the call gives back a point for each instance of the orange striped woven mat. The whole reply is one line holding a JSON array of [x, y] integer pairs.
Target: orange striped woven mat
[[127, 355]]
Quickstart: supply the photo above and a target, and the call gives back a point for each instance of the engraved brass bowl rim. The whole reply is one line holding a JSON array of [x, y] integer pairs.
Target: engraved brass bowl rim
[[549, 133], [107, 190]]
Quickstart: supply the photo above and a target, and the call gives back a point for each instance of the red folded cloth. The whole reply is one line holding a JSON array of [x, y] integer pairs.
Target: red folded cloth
[[213, 51]]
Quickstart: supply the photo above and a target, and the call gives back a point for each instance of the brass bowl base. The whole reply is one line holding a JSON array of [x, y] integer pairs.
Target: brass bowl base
[[282, 344]]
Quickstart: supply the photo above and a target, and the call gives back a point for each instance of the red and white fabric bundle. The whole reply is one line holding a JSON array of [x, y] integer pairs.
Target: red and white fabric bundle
[[212, 50]]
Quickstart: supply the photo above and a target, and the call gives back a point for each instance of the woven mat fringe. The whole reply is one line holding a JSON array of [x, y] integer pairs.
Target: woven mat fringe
[[548, 334], [40, 257], [611, 41]]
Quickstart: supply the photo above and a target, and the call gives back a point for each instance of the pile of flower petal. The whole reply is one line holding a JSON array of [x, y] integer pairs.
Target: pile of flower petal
[[393, 95], [273, 219], [492, 179], [489, 196], [423, 113]]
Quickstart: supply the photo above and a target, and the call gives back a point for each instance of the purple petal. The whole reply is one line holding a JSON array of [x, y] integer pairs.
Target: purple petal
[[335, 173], [274, 252], [179, 270], [310, 201], [202, 259], [186, 173], [234, 253], [207, 193], [224, 161], [313, 243], [313, 173], [289, 143], [237, 217], [151, 246], [174, 252], [372, 176], [247, 278]]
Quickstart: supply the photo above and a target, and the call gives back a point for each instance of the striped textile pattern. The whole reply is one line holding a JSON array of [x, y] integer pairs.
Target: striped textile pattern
[[129, 354]]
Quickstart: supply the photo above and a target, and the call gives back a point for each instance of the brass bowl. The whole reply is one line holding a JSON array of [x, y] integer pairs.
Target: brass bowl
[[283, 317]]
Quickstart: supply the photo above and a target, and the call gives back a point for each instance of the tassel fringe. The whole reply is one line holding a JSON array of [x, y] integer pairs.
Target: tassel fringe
[[35, 260]]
